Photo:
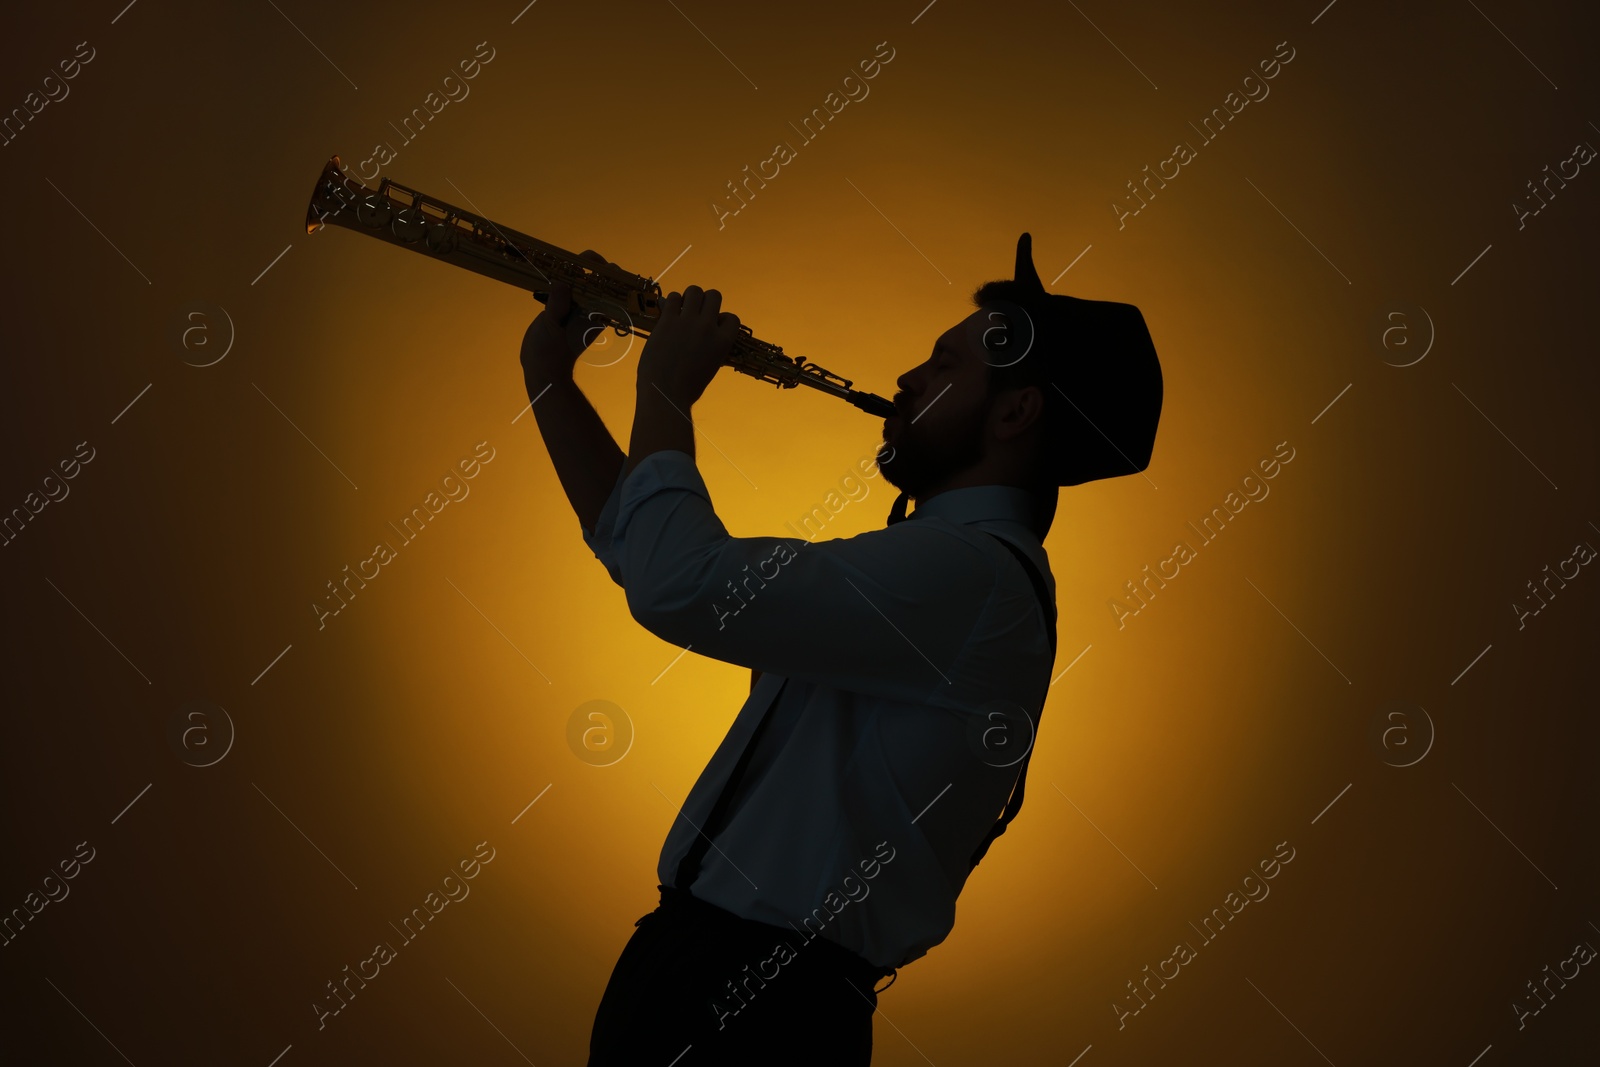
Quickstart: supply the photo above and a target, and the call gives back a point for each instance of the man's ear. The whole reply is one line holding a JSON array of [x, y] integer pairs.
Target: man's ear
[[1020, 409]]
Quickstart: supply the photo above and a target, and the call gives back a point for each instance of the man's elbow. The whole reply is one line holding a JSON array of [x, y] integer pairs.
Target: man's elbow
[[614, 572], [657, 613]]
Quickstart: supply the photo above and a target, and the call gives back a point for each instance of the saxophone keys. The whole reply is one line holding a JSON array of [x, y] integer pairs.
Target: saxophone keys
[[441, 237], [374, 211]]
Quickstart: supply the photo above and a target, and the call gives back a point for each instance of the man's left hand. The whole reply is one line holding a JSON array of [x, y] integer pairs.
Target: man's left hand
[[687, 344]]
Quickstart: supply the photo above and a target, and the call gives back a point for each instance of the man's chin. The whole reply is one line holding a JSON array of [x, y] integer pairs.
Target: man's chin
[[900, 469], [898, 480]]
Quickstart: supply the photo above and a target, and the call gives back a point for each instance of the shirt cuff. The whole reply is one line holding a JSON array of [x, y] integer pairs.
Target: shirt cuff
[[599, 539]]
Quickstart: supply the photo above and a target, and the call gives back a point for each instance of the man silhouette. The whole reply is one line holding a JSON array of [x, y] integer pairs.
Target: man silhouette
[[897, 676]]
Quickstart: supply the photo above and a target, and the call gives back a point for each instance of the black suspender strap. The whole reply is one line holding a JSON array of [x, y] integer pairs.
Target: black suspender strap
[[1014, 804], [689, 866]]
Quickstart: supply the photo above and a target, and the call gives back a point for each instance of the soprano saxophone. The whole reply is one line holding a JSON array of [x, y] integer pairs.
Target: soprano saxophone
[[606, 295]]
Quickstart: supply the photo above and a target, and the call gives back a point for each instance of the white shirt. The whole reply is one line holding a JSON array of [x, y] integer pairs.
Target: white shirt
[[891, 647]]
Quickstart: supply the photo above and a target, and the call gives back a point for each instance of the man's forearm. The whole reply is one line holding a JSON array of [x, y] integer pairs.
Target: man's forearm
[[586, 456], [660, 423]]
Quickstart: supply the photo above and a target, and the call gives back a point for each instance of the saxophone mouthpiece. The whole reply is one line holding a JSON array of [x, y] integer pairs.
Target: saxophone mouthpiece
[[872, 404]]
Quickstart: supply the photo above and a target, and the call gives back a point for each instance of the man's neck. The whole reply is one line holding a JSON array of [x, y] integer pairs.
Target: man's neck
[[1040, 523], [966, 479]]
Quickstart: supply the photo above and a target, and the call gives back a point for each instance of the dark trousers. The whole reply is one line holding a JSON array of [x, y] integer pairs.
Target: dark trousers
[[698, 986]]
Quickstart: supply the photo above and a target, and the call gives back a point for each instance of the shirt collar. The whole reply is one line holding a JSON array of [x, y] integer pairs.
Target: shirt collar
[[980, 503]]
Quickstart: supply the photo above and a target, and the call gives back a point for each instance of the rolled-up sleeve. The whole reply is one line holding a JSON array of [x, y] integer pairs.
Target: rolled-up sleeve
[[887, 612], [599, 539]]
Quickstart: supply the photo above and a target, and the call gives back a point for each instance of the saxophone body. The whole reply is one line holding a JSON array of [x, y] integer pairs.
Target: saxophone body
[[604, 294]]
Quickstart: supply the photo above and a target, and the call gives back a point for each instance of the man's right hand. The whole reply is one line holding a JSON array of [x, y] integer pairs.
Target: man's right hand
[[558, 335]]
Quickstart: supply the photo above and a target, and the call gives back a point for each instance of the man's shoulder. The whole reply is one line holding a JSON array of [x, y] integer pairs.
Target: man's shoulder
[[929, 547]]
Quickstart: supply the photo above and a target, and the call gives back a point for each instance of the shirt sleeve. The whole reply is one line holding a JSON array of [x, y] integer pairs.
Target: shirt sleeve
[[887, 612], [599, 539]]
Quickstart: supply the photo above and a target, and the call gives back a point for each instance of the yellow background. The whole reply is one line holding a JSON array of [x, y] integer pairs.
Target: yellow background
[[1176, 753]]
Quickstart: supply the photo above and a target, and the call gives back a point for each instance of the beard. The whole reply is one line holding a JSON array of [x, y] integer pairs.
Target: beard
[[920, 457]]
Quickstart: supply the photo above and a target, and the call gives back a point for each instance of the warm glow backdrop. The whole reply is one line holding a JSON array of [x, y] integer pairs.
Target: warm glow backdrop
[[1337, 270]]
